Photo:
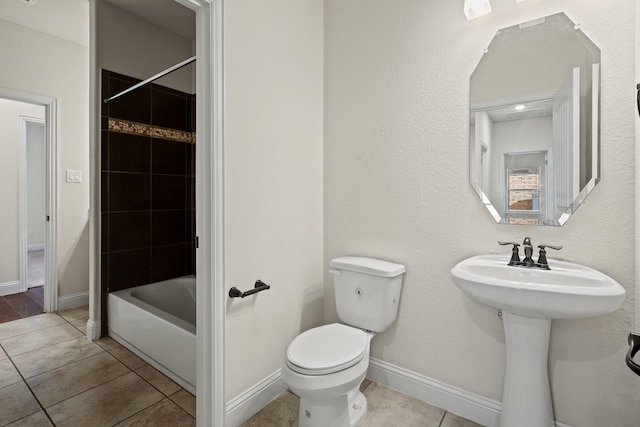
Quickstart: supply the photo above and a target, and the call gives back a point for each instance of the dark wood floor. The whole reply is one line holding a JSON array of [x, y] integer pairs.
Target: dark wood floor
[[19, 306]]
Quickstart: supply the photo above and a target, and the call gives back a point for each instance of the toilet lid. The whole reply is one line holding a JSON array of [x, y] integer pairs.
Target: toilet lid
[[327, 349]]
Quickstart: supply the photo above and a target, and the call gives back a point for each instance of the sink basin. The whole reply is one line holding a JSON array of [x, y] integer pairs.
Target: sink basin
[[566, 291], [529, 299]]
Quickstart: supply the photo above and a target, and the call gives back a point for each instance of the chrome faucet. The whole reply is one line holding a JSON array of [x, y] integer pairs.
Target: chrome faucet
[[528, 261]]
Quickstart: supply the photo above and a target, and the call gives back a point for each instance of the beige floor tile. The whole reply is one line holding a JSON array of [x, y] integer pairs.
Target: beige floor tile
[[281, 412], [130, 360], [57, 355], [30, 324], [158, 380], [162, 414], [17, 402], [55, 386], [80, 325], [386, 406], [186, 401], [39, 339], [365, 383], [3, 355], [39, 419], [107, 343], [453, 420], [106, 404], [75, 313], [8, 373]]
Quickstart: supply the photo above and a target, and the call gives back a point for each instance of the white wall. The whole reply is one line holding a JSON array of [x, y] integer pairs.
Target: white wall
[[396, 187], [35, 184], [137, 48], [40, 63], [273, 162], [10, 112]]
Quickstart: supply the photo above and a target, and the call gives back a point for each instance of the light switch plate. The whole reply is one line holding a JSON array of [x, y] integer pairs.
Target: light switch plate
[[74, 176]]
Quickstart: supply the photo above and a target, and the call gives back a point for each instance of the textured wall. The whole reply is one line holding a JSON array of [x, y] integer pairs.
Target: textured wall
[[396, 187], [32, 62], [273, 173]]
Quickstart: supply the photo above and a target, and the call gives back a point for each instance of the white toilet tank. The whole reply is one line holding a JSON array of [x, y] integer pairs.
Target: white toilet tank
[[367, 291]]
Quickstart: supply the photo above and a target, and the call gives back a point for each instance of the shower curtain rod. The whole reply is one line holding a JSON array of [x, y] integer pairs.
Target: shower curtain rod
[[150, 79]]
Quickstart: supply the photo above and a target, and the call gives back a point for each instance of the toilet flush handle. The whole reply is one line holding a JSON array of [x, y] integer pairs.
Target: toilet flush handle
[[335, 272]]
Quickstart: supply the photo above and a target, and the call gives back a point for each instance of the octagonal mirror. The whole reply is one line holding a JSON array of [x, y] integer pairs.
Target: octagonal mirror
[[534, 122]]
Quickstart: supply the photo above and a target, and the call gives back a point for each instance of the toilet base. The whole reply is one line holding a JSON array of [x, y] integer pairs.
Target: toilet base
[[346, 410]]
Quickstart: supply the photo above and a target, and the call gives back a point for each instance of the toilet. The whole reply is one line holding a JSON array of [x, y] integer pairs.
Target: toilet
[[325, 366]]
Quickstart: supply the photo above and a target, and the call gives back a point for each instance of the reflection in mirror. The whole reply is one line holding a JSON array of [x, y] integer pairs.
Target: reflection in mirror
[[534, 122]]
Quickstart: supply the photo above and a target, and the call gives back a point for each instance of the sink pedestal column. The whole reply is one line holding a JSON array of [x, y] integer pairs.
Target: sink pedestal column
[[526, 397]]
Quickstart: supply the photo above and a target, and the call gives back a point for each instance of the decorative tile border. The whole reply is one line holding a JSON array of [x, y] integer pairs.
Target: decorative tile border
[[134, 128]]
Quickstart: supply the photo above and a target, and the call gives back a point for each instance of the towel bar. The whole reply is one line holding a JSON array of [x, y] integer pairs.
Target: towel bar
[[259, 286]]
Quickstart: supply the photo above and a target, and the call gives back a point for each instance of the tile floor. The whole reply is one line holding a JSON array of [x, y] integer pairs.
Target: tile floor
[[51, 375], [386, 408], [21, 305]]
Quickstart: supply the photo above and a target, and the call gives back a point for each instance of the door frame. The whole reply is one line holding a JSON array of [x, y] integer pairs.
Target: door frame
[[23, 187], [51, 196]]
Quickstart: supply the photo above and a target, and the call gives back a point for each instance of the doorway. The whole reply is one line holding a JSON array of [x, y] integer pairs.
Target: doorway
[[28, 284]]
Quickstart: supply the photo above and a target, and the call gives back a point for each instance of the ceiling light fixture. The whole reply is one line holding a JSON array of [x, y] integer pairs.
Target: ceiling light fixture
[[476, 8]]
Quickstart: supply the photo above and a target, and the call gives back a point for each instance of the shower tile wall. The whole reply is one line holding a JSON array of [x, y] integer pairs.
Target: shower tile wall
[[148, 202]]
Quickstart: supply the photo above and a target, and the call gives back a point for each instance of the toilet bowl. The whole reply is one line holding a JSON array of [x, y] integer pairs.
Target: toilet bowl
[[325, 367]]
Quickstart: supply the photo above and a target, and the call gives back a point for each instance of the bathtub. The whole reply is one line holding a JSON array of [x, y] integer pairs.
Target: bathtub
[[158, 323]]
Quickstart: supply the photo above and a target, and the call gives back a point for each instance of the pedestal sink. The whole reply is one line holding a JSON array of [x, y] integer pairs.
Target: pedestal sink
[[529, 299]]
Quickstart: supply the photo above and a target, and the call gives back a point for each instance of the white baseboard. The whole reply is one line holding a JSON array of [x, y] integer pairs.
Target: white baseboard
[[35, 247], [9, 288], [461, 402], [469, 405], [93, 330], [246, 404], [73, 300]]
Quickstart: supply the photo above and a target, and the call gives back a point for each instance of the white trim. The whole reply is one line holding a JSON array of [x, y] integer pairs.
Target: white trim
[[51, 192], [22, 202], [210, 304], [8, 288], [248, 403], [474, 407], [79, 299], [480, 409], [93, 328]]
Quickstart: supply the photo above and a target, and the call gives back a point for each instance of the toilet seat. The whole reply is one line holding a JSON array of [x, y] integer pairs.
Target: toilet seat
[[327, 349]]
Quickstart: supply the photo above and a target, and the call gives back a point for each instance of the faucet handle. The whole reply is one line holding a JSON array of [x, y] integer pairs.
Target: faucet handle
[[544, 245], [542, 259], [515, 252]]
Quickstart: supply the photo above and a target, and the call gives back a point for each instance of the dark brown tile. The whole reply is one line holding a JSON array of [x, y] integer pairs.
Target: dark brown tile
[[168, 192], [129, 153], [169, 157], [191, 159], [129, 230], [169, 108], [129, 268], [167, 262], [134, 106], [23, 305], [104, 191], [104, 150], [37, 295], [168, 227], [7, 313], [129, 191]]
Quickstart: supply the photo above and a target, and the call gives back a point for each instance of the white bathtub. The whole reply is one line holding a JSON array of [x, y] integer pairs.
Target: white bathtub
[[158, 323]]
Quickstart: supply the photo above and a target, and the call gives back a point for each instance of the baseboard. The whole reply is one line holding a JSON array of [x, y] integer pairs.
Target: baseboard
[[246, 404], [9, 288], [35, 247], [73, 300], [93, 330], [471, 406]]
